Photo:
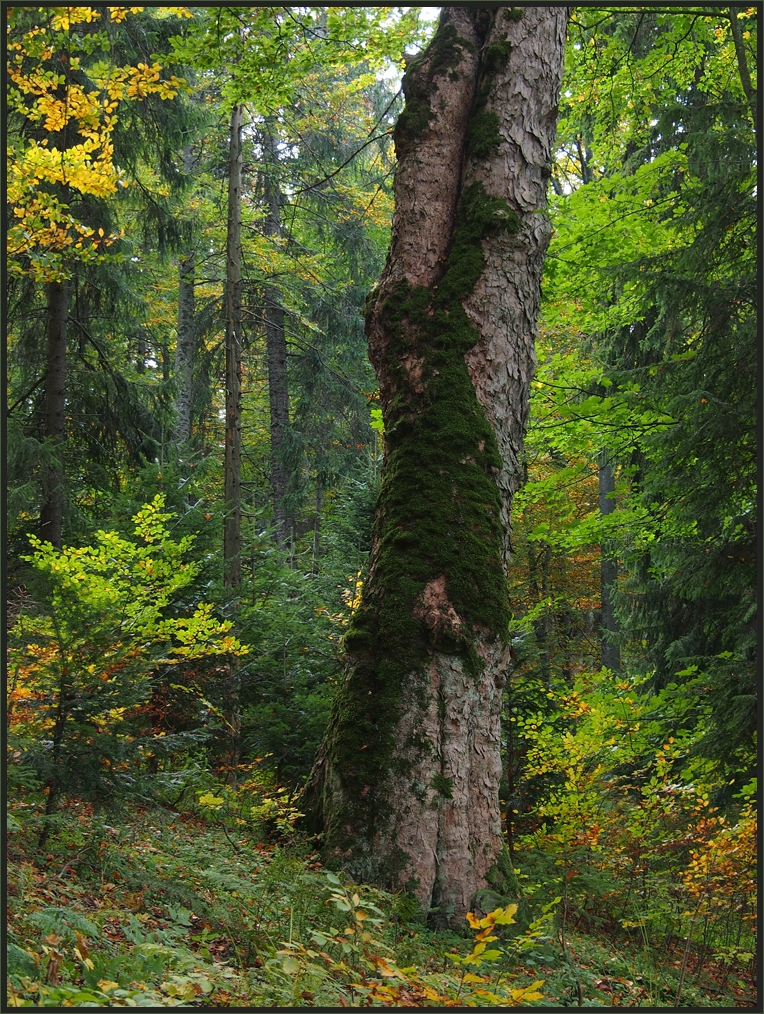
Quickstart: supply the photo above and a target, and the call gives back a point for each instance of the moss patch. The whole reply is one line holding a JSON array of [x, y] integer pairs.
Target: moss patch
[[441, 57], [443, 786], [502, 877], [483, 137]]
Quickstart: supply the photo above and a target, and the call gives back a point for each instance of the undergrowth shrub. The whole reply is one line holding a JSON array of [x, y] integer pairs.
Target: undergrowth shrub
[[628, 838], [85, 659]]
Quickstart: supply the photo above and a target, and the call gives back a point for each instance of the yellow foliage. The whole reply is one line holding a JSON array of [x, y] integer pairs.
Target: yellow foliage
[[722, 872], [45, 238]]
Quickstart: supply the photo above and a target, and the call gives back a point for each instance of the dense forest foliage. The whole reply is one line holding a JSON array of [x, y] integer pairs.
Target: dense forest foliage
[[199, 202]]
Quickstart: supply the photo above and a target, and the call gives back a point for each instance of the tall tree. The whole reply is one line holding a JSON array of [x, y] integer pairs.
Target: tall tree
[[52, 509], [276, 346], [185, 346], [406, 783], [232, 530]]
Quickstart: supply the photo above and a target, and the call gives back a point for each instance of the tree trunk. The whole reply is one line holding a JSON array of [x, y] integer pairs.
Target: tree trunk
[[52, 509], [185, 346], [317, 525], [232, 529], [185, 349], [405, 786], [275, 337], [611, 653], [232, 526]]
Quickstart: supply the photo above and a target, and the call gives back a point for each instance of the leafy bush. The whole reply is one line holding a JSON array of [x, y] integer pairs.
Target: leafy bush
[[84, 663]]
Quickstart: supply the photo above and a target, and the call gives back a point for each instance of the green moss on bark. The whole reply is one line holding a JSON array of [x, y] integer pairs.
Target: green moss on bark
[[442, 56], [496, 56], [443, 786], [438, 518], [483, 137]]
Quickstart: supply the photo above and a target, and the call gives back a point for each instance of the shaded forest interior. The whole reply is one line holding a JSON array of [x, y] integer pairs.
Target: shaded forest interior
[[200, 213]]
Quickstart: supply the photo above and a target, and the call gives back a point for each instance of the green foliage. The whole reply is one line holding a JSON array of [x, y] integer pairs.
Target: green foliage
[[63, 922], [652, 258], [86, 660], [168, 909], [626, 817]]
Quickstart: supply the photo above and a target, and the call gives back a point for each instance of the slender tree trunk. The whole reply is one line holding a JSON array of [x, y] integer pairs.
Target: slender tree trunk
[[52, 510], [317, 525], [59, 726], [611, 653], [406, 783], [538, 568], [509, 815], [140, 350], [232, 529], [275, 335], [546, 624], [185, 349], [185, 346]]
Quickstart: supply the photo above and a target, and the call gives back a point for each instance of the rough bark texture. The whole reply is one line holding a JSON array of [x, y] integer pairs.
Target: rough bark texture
[[275, 336], [405, 786], [232, 530], [611, 653], [185, 349], [52, 509]]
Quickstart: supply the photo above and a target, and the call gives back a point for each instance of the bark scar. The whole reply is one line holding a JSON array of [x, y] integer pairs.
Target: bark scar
[[413, 365], [434, 609]]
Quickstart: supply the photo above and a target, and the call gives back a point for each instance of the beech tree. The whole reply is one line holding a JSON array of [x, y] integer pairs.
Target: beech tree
[[406, 784]]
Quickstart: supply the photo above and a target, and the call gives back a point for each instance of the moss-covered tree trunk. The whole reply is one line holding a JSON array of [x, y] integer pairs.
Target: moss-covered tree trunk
[[406, 784]]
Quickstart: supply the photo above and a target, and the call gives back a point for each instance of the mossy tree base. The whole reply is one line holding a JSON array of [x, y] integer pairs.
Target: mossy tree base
[[405, 787]]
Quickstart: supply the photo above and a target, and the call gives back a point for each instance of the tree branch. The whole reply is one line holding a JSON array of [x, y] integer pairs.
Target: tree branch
[[742, 64]]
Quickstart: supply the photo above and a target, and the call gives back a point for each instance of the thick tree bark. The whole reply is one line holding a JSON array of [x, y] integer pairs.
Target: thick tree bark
[[406, 783], [185, 349], [275, 336], [611, 653], [232, 529], [52, 509]]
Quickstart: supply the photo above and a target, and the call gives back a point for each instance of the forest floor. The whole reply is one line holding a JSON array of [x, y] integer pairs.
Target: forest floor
[[152, 908]]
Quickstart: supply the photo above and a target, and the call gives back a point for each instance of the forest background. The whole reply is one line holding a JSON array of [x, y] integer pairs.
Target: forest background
[[164, 710]]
